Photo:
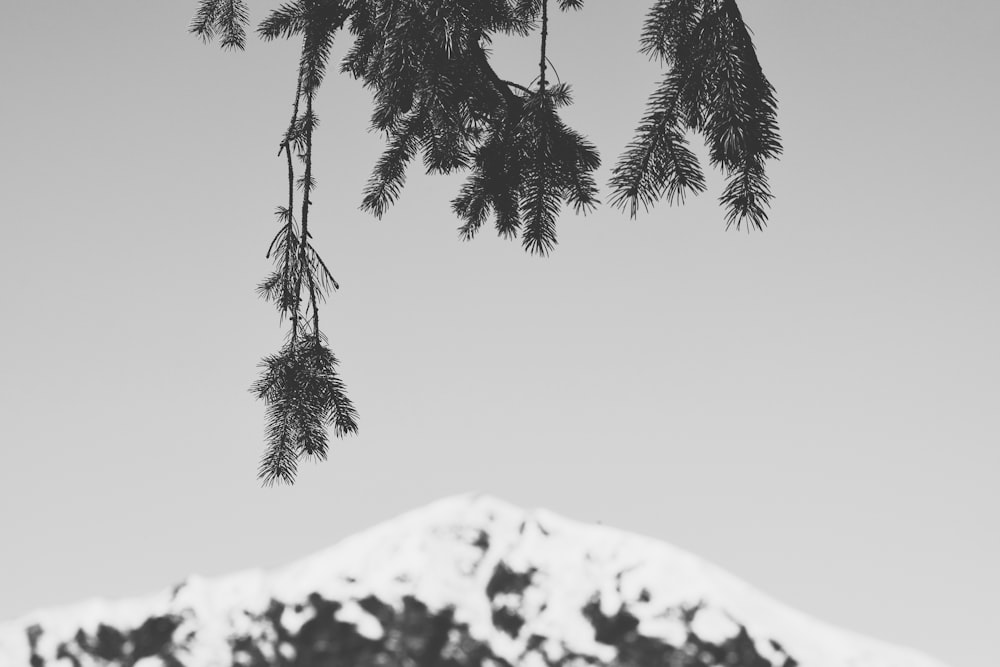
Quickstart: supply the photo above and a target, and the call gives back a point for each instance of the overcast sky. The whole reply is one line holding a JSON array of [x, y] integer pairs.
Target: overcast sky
[[814, 407]]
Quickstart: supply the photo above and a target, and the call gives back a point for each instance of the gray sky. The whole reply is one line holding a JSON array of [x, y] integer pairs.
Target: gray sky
[[813, 407]]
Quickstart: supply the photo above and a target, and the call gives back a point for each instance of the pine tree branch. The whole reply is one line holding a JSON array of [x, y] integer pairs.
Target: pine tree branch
[[437, 93], [299, 384], [387, 179], [657, 162]]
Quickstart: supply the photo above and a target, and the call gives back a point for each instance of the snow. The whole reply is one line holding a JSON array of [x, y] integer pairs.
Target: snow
[[436, 554], [668, 627], [367, 625], [151, 661], [714, 625]]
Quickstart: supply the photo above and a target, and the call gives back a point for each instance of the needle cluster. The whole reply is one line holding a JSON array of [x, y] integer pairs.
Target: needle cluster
[[715, 86], [436, 95]]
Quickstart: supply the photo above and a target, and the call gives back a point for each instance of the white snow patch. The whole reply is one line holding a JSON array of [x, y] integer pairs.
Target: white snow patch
[[150, 661], [767, 651], [714, 625], [366, 624], [294, 616], [670, 629], [287, 651]]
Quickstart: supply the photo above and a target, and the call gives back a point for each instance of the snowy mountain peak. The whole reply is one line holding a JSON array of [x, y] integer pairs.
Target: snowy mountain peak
[[467, 580]]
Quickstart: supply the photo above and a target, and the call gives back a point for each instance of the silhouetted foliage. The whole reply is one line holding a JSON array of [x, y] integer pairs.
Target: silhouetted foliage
[[411, 634], [437, 96], [505, 591], [609, 629], [405, 632], [506, 580], [114, 646]]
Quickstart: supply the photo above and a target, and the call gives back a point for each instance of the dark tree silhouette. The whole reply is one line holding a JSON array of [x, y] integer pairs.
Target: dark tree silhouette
[[436, 94]]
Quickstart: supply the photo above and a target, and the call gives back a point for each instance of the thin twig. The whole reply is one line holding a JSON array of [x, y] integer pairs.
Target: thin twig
[[549, 61], [516, 85], [306, 186], [326, 270], [291, 198], [545, 35]]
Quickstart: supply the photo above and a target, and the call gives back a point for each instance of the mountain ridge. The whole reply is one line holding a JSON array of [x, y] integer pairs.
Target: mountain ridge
[[515, 586]]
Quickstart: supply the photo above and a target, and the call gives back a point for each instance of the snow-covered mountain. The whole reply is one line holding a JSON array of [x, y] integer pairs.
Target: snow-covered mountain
[[469, 580]]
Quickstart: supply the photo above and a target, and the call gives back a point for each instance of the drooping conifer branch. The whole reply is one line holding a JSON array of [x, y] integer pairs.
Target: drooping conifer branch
[[299, 384]]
